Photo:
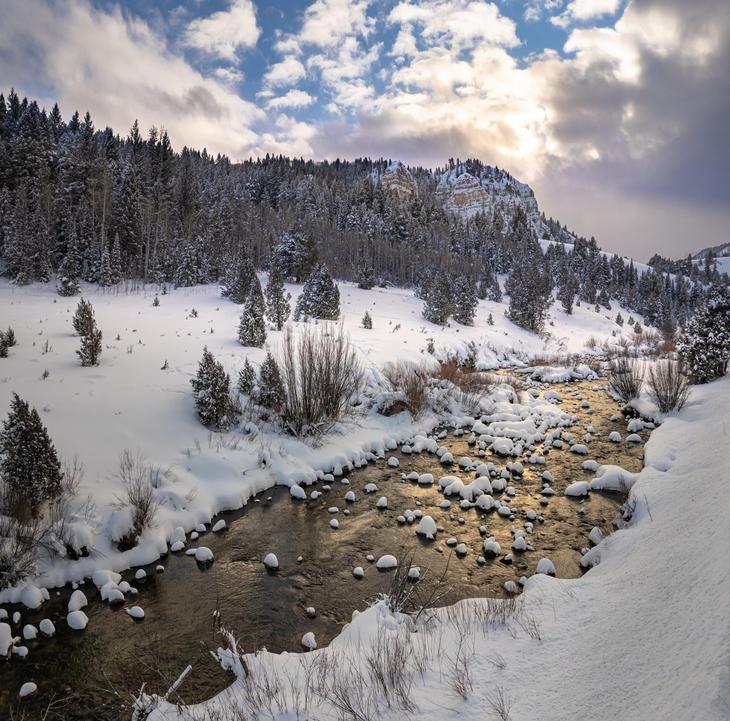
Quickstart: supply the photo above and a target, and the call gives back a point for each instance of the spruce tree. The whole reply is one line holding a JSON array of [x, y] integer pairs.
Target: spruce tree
[[619, 319], [238, 280], [116, 261], [271, 388], [439, 303], [465, 300], [566, 292], [277, 300], [320, 297], [29, 465], [704, 345], [490, 319], [252, 327], [83, 316], [105, 269], [365, 277], [90, 341], [211, 389], [70, 270], [367, 321], [530, 294], [246, 378]]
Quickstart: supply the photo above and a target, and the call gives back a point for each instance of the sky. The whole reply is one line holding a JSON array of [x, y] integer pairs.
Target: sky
[[615, 111]]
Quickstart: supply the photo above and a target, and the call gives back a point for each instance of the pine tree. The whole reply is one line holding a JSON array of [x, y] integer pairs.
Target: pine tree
[[704, 345], [70, 270], [365, 277], [530, 294], [566, 292], [439, 303], [271, 388], [367, 321], [3, 346], [187, 271], [211, 389], [105, 269], [277, 300], [90, 341], [246, 378], [619, 319], [320, 297], [239, 278], [29, 465], [465, 300], [116, 261], [490, 319], [83, 316], [252, 327]]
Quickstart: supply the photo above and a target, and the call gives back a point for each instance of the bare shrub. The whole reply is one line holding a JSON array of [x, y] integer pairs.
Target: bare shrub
[[625, 378], [668, 385], [19, 543], [500, 704], [412, 381], [139, 493], [320, 372]]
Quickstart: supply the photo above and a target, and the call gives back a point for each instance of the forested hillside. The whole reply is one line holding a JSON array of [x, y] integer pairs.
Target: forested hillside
[[81, 203]]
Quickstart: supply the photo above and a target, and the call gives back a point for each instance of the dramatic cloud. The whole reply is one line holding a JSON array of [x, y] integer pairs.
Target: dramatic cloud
[[115, 66], [225, 32], [616, 126]]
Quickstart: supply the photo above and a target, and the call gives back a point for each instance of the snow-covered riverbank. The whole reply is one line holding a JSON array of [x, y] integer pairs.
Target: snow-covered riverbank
[[643, 636], [130, 402]]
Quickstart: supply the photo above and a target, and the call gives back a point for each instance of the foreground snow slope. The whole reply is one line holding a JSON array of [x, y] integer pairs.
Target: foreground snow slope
[[643, 636], [130, 402]]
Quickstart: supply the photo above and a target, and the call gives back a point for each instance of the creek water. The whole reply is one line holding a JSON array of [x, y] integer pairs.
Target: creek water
[[91, 674]]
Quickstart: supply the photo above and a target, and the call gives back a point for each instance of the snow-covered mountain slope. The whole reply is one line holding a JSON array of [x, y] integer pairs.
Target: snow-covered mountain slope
[[720, 251]]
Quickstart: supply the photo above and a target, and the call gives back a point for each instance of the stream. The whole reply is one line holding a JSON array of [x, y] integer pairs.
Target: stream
[[92, 674]]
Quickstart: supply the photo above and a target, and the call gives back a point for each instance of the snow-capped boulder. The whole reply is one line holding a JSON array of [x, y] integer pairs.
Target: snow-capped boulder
[[578, 489], [77, 620], [386, 562], [308, 641], [77, 601], [271, 562], [427, 528], [545, 566], [203, 554]]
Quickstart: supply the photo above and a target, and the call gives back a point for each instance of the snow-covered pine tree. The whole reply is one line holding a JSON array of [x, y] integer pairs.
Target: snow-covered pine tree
[[277, 299], [83, 316], [530, 294], [238, 280], [619, 319], [296, 255], [566, 292], [70, 270], [90, 349], [116, 261], [246, 378], [490, 319], [271, 387], [211, 388], [465, 300], [365, 277], [320, 297], [29, 465], [367, 321], [252, 327], [105, 269], [704, 345], [187, 271], [440, 302]]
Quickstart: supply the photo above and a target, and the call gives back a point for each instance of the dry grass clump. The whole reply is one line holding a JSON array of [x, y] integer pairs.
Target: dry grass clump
[[668, 385]]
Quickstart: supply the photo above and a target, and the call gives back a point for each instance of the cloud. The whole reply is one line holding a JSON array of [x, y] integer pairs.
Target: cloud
[[584, 10], [115, 66], [327, 22], [456, 23], [224, 33], [291, 99], [287, 72]]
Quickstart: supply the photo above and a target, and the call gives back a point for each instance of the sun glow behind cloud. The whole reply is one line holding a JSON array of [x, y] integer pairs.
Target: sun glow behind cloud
[[419, 80]]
